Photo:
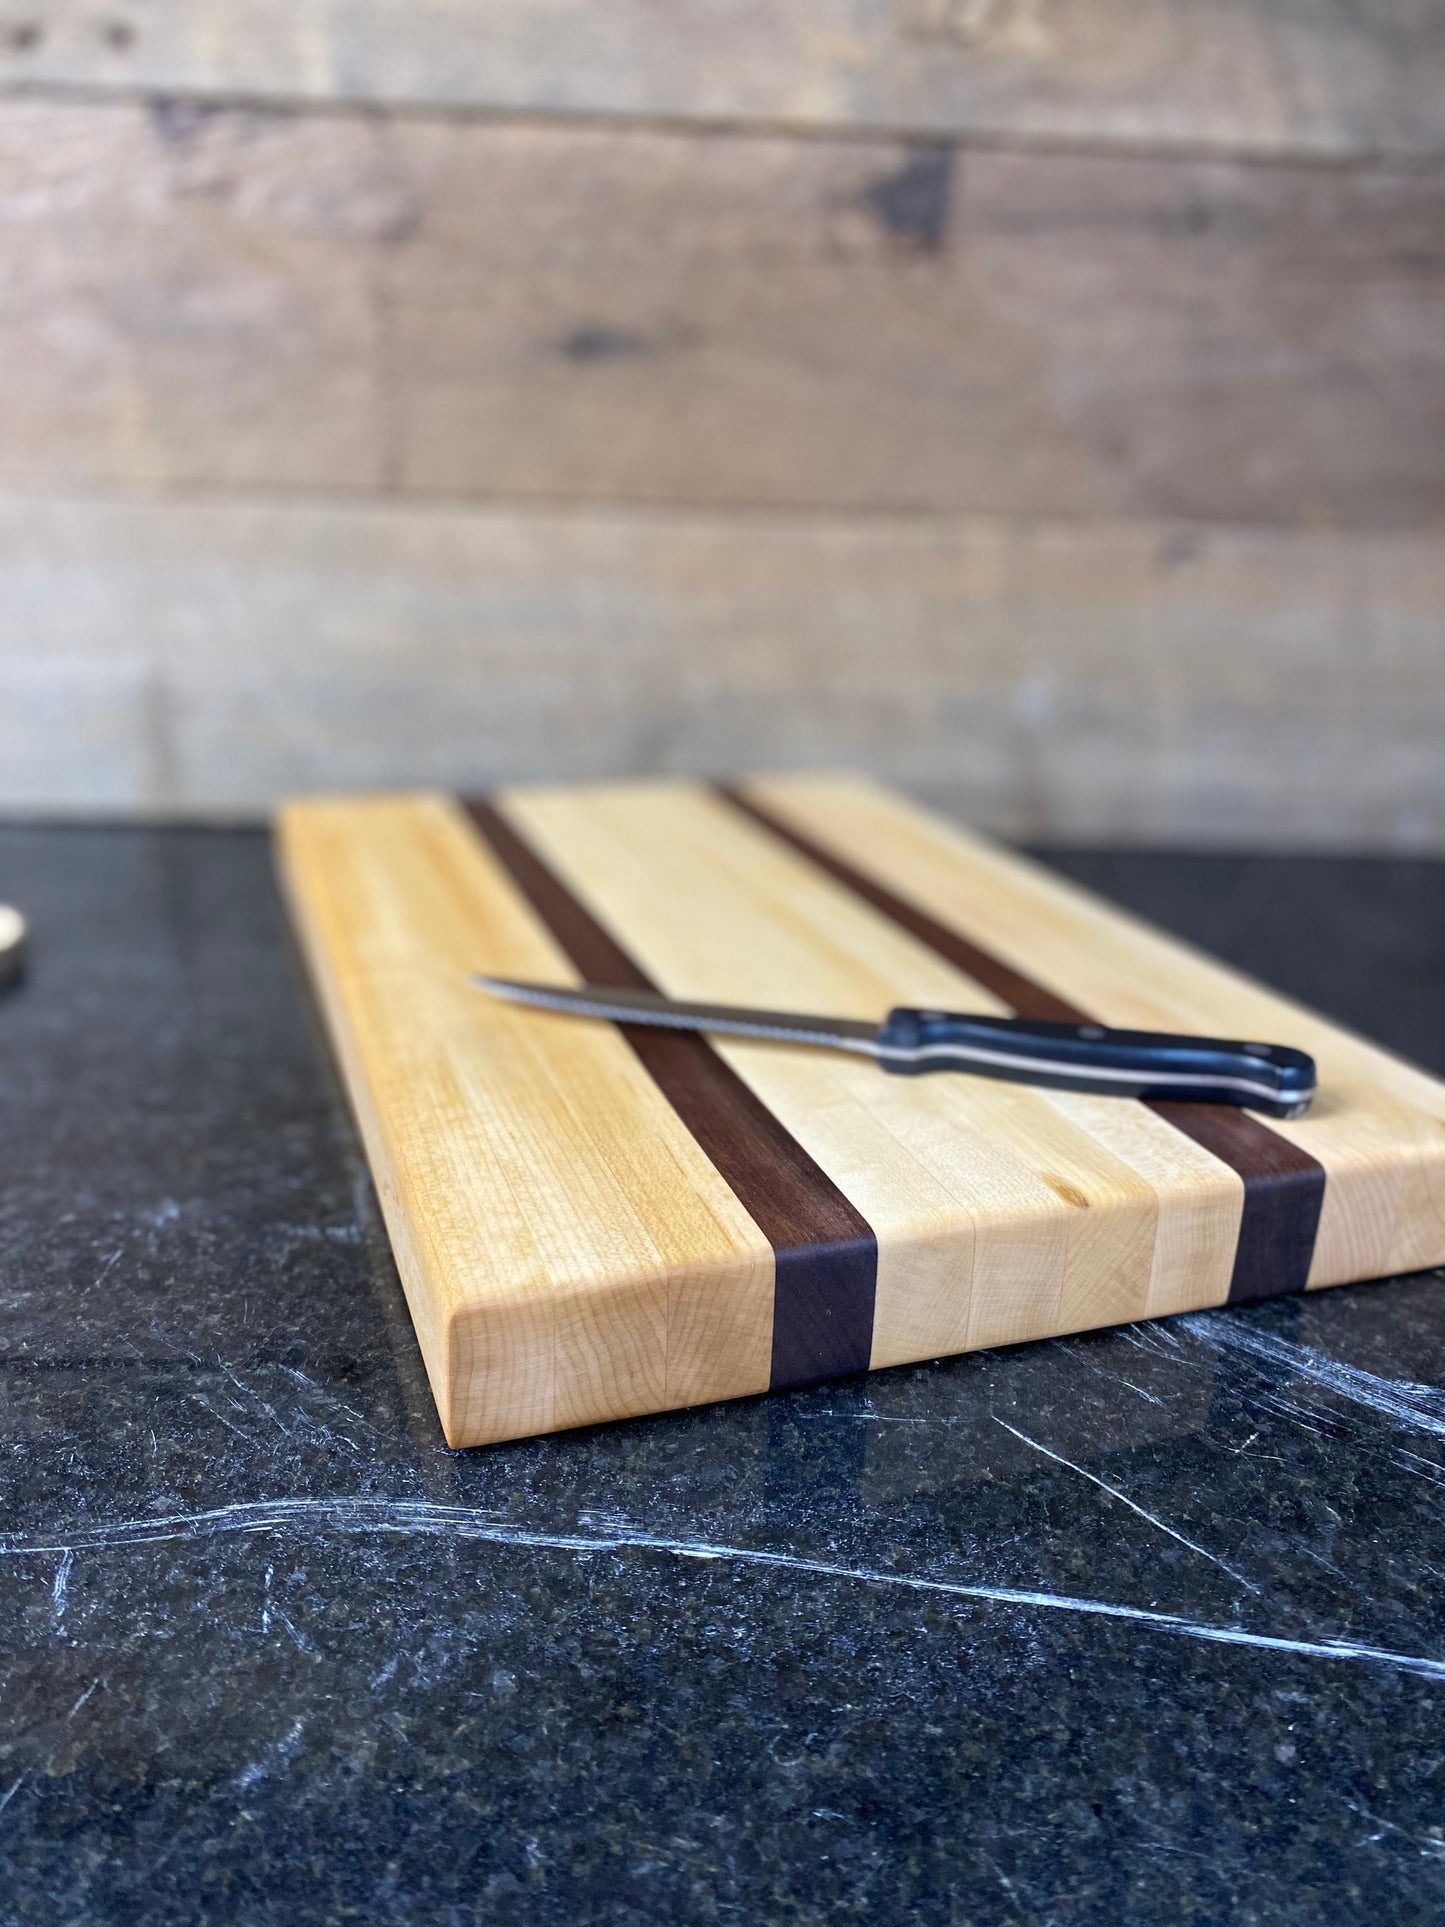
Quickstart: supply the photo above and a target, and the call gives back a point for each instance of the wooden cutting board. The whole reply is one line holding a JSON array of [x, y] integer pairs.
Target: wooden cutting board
[[592, 1222]]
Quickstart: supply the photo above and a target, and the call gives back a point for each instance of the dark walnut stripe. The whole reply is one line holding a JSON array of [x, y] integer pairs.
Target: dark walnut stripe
[[826, 1256], [1284, 1187]]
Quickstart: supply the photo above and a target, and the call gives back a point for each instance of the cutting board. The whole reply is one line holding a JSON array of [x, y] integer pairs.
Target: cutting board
[[594, 1222]]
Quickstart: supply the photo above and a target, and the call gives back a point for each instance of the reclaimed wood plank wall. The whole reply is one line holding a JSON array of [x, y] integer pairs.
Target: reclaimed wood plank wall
[[1038, 402]]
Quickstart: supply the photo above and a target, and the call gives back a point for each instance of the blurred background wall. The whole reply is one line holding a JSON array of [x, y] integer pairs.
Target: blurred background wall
[[1040, 402]]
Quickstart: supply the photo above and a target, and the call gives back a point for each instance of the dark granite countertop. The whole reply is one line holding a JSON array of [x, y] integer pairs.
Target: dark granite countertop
[[1143, 1626]]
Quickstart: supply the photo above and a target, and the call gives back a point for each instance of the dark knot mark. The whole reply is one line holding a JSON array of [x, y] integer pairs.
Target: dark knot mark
[[912, 204], [594, 341]]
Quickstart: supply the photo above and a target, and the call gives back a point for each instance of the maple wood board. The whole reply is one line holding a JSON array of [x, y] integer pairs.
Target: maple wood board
[[594, 1222]]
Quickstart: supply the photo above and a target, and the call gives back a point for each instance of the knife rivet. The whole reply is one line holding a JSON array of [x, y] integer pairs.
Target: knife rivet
[[1092, 1031]]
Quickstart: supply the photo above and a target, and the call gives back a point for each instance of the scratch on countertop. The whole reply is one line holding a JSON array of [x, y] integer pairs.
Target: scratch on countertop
[[329, 1398], [1431, 1846], [278, 1753], [249, 1391], [201, 1399], [1113, 1491], [301, 1645], [84, 1697], [1421, 1407], [1420, 1468], [345, 1515], [1074, 1350], [60, 1587], [879, 1418]]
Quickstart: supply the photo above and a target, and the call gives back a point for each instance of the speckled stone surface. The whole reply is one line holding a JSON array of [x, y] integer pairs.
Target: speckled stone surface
[[1139, 1627]]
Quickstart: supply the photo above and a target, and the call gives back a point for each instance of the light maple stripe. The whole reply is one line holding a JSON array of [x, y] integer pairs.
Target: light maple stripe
[[825, 1252], [1284, 1186]]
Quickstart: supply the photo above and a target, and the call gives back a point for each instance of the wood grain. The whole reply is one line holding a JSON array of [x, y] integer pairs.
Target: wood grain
[[824, 1252], [573, 1250], [647, 1285], [1276, 1230], [1260, 78], [1116, 681], [713, 906], [508, 310], [1377, 1126]]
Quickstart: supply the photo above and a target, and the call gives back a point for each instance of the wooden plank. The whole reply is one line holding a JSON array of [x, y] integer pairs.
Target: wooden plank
[[1111, 681], [1064, 1197], [652, 1286], [577, 1239], [1325, 79], [1377, 1126], [507, 310], [825, 1254], [1276, 1213]]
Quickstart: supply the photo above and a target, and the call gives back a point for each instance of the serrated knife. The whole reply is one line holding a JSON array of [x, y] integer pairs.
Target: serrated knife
[[1272, 1078]]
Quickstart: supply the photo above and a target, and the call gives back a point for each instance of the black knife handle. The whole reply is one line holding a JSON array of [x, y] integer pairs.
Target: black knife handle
[[1087, 1057]]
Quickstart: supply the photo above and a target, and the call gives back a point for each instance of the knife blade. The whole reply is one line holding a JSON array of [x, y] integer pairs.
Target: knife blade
[[1272, 1078]]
